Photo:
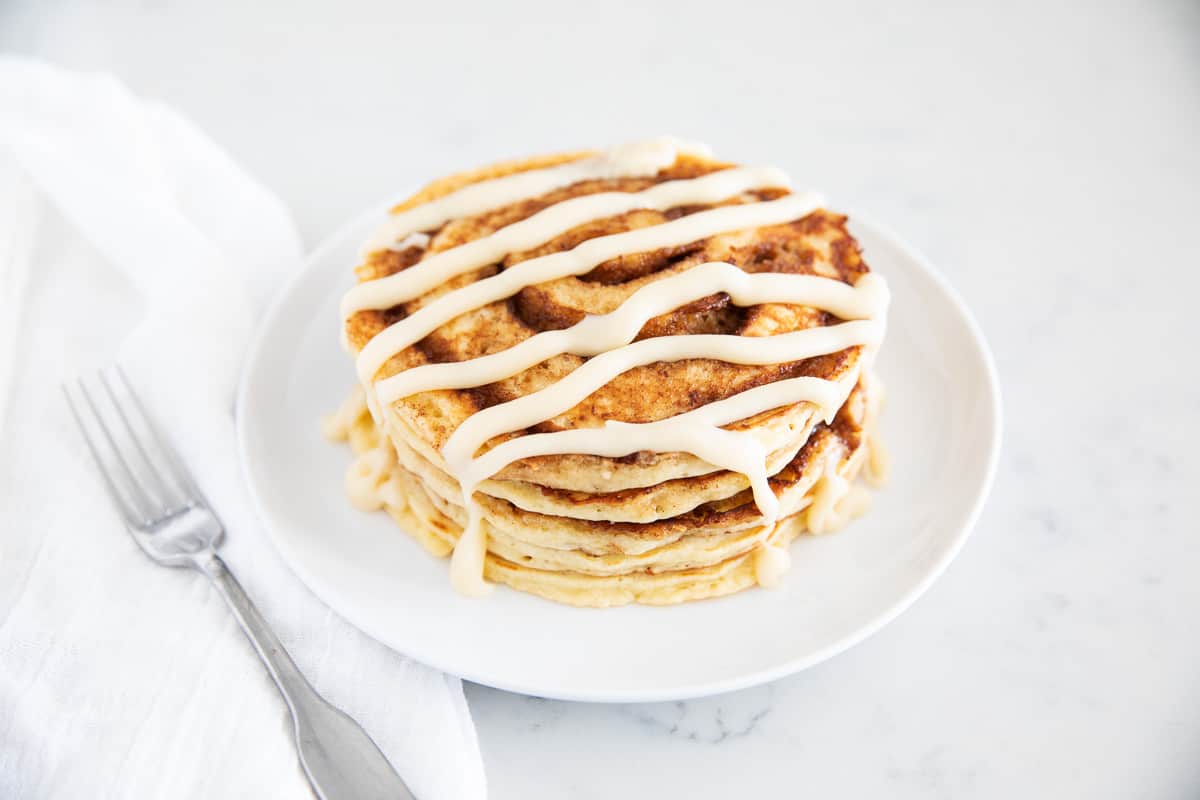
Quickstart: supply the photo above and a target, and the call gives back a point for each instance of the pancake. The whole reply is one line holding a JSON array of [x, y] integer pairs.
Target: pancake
[[628, 376], [709, 553]]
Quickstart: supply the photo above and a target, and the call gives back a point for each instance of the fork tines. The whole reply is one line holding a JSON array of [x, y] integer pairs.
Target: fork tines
[[144, 476]]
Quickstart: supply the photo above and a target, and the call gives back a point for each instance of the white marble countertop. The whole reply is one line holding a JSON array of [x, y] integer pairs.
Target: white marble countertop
[[1044, 155]]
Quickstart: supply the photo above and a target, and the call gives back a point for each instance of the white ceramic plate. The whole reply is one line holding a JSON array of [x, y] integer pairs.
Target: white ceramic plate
[[941, 423]]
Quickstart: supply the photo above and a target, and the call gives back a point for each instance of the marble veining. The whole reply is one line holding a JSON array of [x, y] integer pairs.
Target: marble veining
[[705, 720]]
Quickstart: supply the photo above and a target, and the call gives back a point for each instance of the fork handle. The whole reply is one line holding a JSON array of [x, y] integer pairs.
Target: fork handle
[[339, 758]]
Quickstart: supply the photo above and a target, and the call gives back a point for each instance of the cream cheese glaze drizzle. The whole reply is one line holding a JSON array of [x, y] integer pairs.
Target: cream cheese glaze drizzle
[[577, 261], [630, 160], [592, 375], [770, 563], [549, 224], [596, 334], [608, 339], [698, 432]]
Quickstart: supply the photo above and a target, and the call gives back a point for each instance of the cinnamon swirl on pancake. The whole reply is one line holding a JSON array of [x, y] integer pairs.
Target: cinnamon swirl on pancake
[[625, 376]]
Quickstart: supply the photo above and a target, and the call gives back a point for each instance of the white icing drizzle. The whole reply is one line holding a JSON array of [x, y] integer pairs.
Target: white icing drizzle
[[336, 426], [630, 160], [576, 261], [371, 482], [770, 564], [599, 333], [879, 464], [821, 516], [548, 224], [595, 373], [470, 551], [835, 501], [391, 493], [879, 461], [418, 240], [369, 471], [698, 432], [856, 503], [608, 339]]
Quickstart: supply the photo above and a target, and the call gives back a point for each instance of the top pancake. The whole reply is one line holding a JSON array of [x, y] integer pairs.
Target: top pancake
[[817, 244]]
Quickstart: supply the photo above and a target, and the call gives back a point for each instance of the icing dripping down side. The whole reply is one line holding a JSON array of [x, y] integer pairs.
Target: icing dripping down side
[[470, 552], [336, 426], [366, 476], [835, 502], [879, 463], [771, 562]]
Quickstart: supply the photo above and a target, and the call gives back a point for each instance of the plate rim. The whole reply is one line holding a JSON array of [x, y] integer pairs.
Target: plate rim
[[787, 667]]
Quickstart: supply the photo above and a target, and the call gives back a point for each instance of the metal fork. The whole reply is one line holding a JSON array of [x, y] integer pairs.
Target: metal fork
[[172, 522]]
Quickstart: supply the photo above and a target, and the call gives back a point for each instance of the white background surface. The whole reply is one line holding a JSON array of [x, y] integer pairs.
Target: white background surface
[[1044, 155]]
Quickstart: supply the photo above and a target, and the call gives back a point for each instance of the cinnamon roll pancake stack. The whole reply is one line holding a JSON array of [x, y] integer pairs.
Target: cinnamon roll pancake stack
[[633, 375]]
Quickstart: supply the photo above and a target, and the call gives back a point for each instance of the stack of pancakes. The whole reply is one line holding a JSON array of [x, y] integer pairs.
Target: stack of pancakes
[[650, 527]]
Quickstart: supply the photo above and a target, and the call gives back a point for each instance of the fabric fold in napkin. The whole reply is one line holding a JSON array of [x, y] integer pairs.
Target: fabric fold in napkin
[[119, 678]]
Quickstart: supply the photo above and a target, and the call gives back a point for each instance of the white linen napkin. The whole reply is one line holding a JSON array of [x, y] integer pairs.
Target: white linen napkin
[[119, 678]]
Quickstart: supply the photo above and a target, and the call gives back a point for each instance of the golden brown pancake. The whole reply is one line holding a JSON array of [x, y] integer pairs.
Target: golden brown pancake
[[649, 527]]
